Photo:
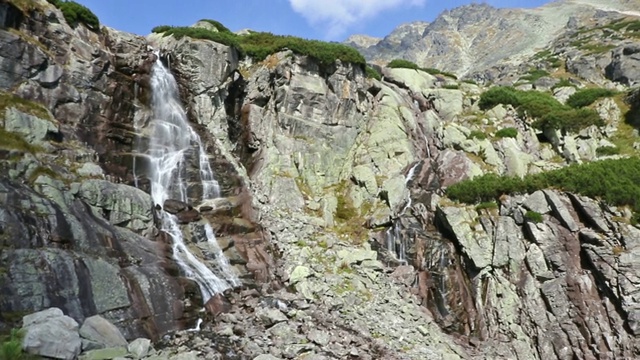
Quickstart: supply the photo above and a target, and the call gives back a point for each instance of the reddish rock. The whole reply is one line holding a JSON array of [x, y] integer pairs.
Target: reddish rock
[[189, 216], [175, 206], [217, 305]]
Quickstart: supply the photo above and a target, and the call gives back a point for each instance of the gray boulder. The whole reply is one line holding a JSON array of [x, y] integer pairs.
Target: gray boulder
[[625, 66], [50, 333], [139, 348], [99, 330]]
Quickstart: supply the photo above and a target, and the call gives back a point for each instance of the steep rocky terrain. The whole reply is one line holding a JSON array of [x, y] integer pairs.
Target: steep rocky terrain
[[473, 38], [333, 204]]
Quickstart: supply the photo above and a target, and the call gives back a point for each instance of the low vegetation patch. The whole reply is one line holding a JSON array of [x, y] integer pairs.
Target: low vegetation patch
[[259, 45], [11, 346], [13, 141], [477, 134], [563, 83], [406, 64], [535, 74], [8, 100], [533, 216], [615, 181], [507, 133], [586, 97], [76, 14], [372, 73], [487, 205], [402, 64], [607, 150], [547, 110]]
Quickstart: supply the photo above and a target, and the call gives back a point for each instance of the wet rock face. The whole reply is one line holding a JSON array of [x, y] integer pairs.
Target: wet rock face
[[565, 281], [62, 253]]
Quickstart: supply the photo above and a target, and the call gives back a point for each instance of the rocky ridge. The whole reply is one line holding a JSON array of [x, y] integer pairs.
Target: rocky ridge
[[331, 208], [473, 38]]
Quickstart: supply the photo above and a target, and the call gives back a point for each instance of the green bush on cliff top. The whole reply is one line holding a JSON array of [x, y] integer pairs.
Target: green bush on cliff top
[[76, 14], [259, 45], [547, 110], [406, 64], [617, 182]]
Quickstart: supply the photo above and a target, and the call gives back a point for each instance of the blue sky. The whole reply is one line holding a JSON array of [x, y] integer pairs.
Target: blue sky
[[313, 19]]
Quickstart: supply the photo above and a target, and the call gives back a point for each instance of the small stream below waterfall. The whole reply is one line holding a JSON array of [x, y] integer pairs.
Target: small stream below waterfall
[[174, 145]]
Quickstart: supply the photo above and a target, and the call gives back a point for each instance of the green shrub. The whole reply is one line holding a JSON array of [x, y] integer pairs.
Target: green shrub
[[507, 133], [554, 62], [476, 134], [535, 74], [218, 25], [199, 33], [402, 64], [571, 120], [563, 83], [469, 81], [372, 73], [451, 86], [11, 346], [586, 97], [616, 181], [161, 28], [450, 75], [259, 45], [498, 95], [487, 205], [547, 110], [533, 216], [76, 14], [607, 150]]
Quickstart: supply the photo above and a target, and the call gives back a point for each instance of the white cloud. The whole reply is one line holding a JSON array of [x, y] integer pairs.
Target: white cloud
[[338, 15]]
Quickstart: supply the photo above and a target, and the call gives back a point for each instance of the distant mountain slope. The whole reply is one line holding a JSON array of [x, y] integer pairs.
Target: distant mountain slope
[[475, 37]]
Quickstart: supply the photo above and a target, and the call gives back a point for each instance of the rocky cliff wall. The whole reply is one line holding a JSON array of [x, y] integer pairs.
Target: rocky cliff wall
[[331, 207]]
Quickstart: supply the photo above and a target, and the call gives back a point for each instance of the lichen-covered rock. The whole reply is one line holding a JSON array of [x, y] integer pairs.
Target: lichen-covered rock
[[99, 330], [51, 334]]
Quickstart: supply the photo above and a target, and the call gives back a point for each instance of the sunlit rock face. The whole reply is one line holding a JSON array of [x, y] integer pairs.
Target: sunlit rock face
[[292, 208]]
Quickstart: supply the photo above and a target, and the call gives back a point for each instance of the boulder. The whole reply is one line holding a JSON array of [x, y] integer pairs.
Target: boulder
[[99, 330], [218, 304], [625, 66], [50, 333], [33, 128], [188, 216], [139, 348], [175, 206]]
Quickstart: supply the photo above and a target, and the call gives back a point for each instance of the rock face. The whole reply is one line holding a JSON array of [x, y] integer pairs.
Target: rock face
[[75, 233], [332, 209]]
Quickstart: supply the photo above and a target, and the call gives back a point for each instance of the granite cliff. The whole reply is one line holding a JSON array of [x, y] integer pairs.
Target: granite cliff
[[332, 209]]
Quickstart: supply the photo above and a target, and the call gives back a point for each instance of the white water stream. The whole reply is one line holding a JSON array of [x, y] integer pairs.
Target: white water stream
[[172, 144]]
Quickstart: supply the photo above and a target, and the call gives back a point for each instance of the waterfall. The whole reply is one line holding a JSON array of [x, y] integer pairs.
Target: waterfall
[[396, 243], [173, 145]]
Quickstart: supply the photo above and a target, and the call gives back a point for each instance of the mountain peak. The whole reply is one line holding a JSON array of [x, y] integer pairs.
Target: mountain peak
[[478, 36]]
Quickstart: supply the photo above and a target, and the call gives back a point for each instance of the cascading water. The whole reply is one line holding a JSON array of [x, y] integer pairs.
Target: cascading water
[[172, 144]]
